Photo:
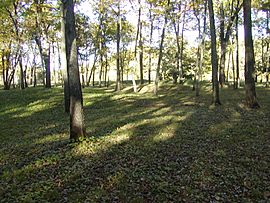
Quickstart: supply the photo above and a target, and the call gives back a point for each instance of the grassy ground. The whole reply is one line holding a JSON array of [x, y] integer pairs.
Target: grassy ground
[[140, 148]]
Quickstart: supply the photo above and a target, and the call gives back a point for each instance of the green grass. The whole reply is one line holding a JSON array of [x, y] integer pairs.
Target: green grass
[[140, 147]]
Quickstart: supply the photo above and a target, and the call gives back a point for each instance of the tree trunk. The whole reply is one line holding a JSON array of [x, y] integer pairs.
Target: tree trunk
[[200, 52], [93, 77], [118, 37], [92, 69], [267, 64], [47, 62], [223, 45], [31, 75], [237, 81], [122, 61], [64, 65], [150, 44], [106, 70], [267, 49], [176, 26], [181, 69], [100, 71], [141, 55], [25, 77], [4, 72], [233, 69], [251, 99], [77, 128], [82, 76], [214, 60], [35, 76], [228, 66], [22, 86], [161, 51], [224, 36]]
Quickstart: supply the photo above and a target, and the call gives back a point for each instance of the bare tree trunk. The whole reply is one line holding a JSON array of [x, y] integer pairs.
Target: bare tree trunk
[[181, 69], [214, 59], [150, 44], [251, 99], [64, 65], [176, 25], [25, 77], [100, 71], [82, 76], [233, 69], [228, 66], [161, 51], [35, 76], [93, 76], [267, 64], [141, 55], [47, 61], [92, 69], [201, 48], [267, 49], [118, 37], [77, 128], [22, 86], [106, 70], [223, 46]]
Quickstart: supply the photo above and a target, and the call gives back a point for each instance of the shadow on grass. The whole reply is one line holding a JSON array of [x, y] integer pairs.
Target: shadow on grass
[[151, 149]]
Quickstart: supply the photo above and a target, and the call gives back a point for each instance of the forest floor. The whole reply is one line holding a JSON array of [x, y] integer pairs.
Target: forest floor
[[174, 147]]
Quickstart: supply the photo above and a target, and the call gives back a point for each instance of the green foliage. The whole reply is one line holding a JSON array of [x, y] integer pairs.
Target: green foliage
[[141, 148]]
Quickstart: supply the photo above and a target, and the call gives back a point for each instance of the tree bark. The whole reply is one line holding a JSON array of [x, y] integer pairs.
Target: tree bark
[[225, 36], [150, 44], [64, 65], [228, 66], [100, 71], [22, 85], [106, 70], [141, 55], [161, 50], [214, 60], [77, 128], [233, 69], [223, 46], [251, 99], [181, 69], [118, 37], [92, 69], [47, 62], [237, 81], [267, 64], [201, 46], [267, 49]]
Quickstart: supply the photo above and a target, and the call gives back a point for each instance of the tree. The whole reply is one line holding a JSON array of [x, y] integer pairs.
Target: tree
[[14, 10], [201, 37], [225, 33], [140, 37], [64, 64], [161, 47], [237, 81], [151, 18], [43, 32], [251, 99], [214, 59], [77, 128], [118, 40]]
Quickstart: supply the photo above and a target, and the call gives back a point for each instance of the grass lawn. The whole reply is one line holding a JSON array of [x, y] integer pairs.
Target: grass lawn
[[140, 148]]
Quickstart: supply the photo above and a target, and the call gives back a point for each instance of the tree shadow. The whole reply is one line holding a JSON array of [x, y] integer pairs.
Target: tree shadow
[[142, 148]]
